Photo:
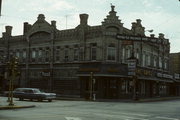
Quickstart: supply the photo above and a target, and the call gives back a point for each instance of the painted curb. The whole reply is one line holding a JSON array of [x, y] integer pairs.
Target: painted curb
[[15, 107]]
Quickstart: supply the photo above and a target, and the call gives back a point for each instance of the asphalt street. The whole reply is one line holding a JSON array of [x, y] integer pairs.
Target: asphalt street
[[86, 110]]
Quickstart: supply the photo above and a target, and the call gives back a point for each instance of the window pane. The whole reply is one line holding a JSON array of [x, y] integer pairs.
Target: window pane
[[93, 53]]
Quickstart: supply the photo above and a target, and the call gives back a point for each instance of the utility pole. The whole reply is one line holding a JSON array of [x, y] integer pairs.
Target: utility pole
[[0, 7]]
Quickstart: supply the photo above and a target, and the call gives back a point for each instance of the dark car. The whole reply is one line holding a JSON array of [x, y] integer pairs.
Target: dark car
[[33, 94]]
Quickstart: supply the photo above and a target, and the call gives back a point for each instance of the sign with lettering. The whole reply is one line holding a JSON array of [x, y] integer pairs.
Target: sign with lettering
[[141, 38], [132, 67], [162, 75], [176, 76], [45, 74]]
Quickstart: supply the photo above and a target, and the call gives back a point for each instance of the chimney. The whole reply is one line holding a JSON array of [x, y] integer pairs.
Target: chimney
[[161, 35], [8, 30], [83, 19], [53, 23], [152, 35], [27, 27], [138, 21]]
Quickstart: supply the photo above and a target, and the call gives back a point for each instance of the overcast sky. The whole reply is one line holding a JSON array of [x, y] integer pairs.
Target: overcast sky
[[163, 16]]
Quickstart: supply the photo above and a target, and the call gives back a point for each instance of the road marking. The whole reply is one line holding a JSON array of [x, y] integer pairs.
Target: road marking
[[72, 118], [136, 114], [166, 118]]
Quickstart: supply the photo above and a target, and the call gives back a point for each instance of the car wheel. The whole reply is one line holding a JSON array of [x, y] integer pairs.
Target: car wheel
[[49, 100]]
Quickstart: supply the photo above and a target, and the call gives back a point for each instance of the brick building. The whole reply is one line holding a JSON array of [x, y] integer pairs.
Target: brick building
[[89, 60]]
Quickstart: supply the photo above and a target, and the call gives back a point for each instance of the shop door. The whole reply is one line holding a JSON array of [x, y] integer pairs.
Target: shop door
[[111, 89]]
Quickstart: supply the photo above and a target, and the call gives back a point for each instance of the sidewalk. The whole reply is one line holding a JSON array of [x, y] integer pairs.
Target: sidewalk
[[155, 99], [158, 99], [4, 105]]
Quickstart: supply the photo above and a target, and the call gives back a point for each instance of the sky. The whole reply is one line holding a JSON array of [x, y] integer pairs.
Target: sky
[[163, 16]]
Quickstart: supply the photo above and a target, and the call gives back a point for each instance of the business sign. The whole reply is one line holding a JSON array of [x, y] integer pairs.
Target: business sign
[[140, 38], [176, 76], [132, 67], [162, 75], [45, 74]]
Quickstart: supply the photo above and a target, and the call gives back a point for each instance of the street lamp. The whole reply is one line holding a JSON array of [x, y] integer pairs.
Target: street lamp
[[92, 81]]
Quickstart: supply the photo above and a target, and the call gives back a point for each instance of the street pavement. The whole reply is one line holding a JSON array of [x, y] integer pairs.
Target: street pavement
[[88, 110]]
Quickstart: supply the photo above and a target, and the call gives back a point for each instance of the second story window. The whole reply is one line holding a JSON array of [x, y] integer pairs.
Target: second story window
[[155, 62], [123, 54], [17, 54], [143, 60], [57, 55], [160, 62], [66, 55], [165, 64], [47, 54], [40, 53], [148, 60], [111, 53], [76, 54], [33, 54], [24, 54], [93, 53]]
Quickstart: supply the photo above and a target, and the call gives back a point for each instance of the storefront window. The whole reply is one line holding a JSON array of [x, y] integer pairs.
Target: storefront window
[[125, 87]]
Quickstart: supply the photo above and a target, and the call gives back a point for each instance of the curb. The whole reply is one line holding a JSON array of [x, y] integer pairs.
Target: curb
[[15, 107]]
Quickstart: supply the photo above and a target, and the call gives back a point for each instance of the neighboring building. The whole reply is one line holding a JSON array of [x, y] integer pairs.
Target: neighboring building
[[90, 60], [175, 62], [175, 69]]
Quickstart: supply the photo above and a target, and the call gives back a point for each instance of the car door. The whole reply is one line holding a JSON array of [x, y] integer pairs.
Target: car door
[[29, 94]]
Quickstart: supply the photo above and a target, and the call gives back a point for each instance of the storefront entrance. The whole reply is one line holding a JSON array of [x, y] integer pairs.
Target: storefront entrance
[[110, 89]]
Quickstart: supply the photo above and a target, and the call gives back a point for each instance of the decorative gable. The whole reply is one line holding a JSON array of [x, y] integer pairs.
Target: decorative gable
[[112, 23], [112, 18], [41, 25]]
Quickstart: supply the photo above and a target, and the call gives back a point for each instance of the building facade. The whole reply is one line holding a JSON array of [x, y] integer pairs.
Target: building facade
[[175, 69], [89, 61]]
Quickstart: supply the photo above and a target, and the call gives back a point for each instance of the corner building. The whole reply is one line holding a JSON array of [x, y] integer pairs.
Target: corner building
[[89, 61]]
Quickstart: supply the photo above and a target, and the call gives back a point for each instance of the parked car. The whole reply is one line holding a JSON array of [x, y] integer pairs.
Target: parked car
[[33, 94]]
